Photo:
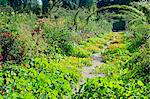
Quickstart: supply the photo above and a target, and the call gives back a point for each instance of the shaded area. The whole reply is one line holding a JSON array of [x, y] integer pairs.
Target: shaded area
[[119, 25]]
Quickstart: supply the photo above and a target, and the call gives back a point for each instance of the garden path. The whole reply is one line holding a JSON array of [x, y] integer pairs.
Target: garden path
[[87, 71]]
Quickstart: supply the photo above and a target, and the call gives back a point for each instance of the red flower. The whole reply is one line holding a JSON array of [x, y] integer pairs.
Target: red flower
[[40, 20], [36, 31], [7, 34]]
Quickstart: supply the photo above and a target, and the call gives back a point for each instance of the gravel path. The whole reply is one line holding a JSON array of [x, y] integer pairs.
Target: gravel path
[[87, 71]]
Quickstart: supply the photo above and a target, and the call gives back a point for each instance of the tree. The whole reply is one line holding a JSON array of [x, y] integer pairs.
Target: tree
[[73, 4], [45, 6], [3, 2], [87, 3]]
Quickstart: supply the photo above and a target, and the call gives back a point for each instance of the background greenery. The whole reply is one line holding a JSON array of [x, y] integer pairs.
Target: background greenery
[[43, 49]]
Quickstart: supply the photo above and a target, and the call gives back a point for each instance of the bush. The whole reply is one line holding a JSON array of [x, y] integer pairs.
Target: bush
[[59, 38], [138, 35], [17, 40], [140, 63]]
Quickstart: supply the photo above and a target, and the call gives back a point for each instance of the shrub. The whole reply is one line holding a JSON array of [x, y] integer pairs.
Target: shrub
[[59, 38], [17, 40], [138, 35]]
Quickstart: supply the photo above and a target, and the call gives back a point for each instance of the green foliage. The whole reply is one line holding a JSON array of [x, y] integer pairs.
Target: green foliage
[[33, 38], [73, 4], [65, 43], [87, 3], [143, 6], [59, 38], [33, 6], [138, 35], [7, 10], [90, 46], [137, 12], [126, 73], [139, 41], [40, 79], [3, 2], [17, 39], [113, 88], [26, 6]]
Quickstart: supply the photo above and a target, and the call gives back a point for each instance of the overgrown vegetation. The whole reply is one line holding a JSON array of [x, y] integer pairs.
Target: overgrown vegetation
[[44, 57]]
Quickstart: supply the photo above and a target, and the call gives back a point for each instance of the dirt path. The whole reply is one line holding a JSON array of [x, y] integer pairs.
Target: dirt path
[[97, 61], [87, 71]]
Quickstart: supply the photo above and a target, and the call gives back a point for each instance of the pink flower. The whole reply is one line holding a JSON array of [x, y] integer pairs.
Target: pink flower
[[1, 57]]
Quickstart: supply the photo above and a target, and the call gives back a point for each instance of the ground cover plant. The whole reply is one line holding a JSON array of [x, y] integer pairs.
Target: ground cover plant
[[119, 82], [66, 49]]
